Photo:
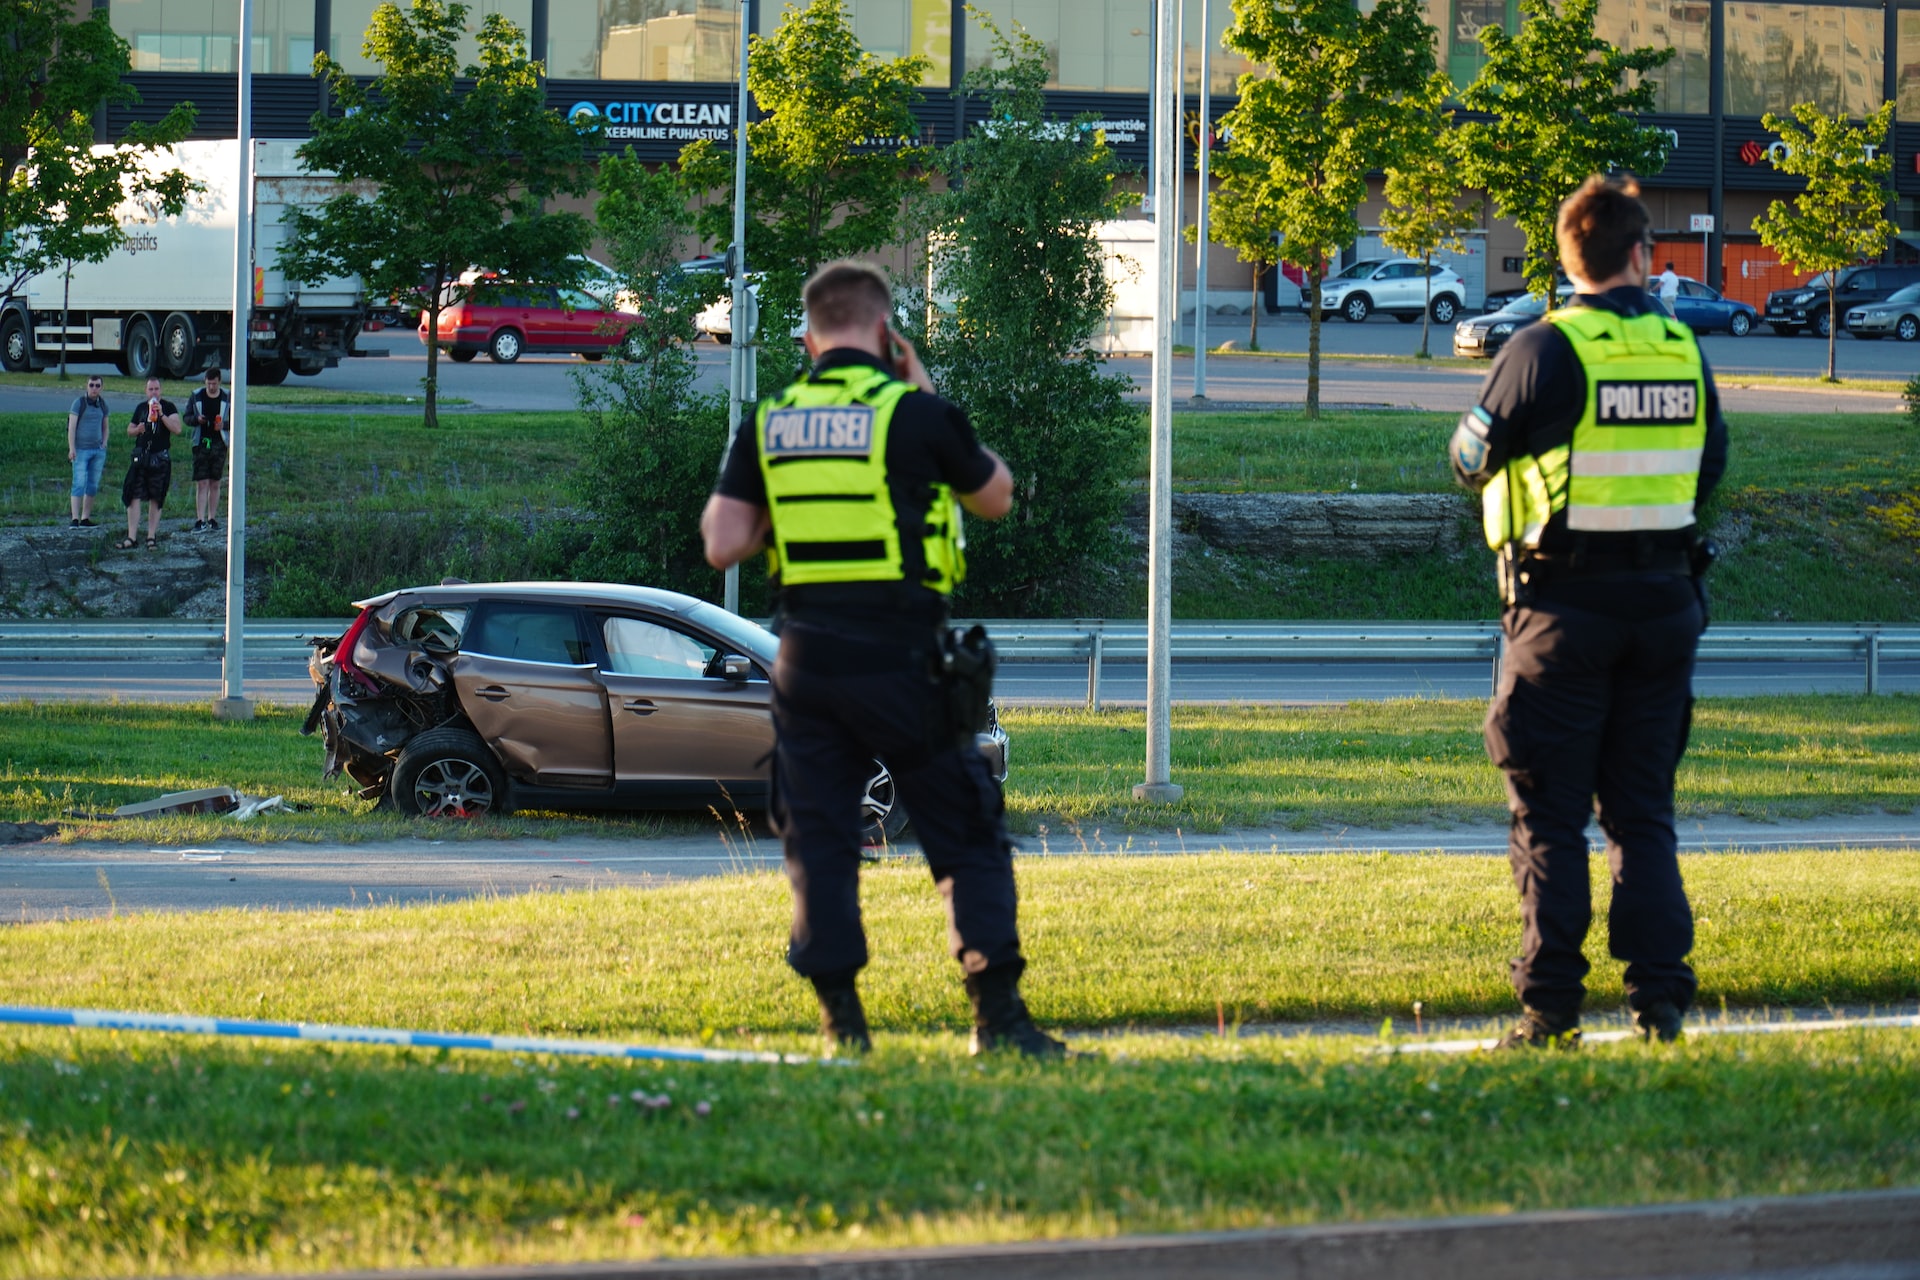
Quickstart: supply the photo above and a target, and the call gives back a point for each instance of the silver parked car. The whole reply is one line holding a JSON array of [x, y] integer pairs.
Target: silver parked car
[[1899, 315], [469, 699], [1393, 286]]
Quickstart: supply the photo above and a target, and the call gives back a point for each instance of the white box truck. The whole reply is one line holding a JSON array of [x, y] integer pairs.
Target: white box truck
[[163, 302]]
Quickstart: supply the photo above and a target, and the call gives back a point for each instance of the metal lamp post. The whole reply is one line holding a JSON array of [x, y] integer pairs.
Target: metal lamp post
[[1201, 202], [234, 704], [741, 389], [1159, 787]]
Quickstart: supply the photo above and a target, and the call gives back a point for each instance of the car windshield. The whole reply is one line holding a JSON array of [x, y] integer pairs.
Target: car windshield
[[749, 635], [1820, 281], [1526, 304], [1360, 270], [1902, 297]]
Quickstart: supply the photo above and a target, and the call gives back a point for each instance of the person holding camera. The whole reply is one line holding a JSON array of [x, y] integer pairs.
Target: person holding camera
[[854, 479], [153, 425], [1596, 441], [207, 415]]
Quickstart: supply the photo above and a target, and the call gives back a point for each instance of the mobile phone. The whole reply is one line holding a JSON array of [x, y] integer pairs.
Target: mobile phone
[[896, 357]]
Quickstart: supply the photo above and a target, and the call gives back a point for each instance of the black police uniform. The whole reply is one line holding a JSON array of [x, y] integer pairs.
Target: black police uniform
[[1595, 696], [854, 681]]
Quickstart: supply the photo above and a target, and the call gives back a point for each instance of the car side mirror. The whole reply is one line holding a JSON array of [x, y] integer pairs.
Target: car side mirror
[[734, 667]]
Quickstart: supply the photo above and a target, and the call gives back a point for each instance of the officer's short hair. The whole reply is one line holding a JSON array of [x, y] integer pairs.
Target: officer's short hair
[[847, 294], [1599, 225]]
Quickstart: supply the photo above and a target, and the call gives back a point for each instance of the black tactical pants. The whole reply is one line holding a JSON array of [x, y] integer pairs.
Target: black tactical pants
[[838, 702], [1591, 716]]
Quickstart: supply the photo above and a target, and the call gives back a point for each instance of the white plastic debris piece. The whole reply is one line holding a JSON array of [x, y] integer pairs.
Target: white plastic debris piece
[[251, 805], [205, 800]]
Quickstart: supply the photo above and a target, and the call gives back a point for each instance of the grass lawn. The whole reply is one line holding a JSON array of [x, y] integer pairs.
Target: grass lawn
[[125, 1154], [1366, 764]]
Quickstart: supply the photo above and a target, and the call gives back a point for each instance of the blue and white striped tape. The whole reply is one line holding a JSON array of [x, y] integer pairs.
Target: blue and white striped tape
[[189, 1024]]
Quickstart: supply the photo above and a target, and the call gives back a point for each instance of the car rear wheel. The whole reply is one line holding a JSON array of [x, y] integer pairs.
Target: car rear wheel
[[505, 347], [1907, 329], [593, 357], [448, 773], [1445, 309], [1740, 325], [1356, 308], [461, 355], [883, 816]]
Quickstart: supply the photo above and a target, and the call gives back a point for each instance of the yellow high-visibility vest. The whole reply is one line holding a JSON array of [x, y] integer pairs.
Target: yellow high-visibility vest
[[823, 454], [1634, 462]]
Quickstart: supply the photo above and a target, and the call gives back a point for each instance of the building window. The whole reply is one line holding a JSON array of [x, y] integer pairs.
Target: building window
[[1909, 73], [1780, 54], [352, 17], [891, 29], [644, 40], [202, 35], [1685, 26], [1097, 45]]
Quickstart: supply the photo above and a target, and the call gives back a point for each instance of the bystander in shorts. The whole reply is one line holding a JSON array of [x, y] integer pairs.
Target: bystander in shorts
[[87, 466], [209, 464], [147, 479]]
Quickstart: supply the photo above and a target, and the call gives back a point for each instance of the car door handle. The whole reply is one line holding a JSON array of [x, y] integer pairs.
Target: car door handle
[[493, 693], [640, 706]]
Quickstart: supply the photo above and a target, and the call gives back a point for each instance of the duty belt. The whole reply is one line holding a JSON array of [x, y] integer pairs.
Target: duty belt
[[1605, 564]]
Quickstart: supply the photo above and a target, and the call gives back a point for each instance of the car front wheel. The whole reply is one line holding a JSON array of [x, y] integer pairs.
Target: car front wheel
[[1740, 325], [505, 347], [882, 815], [447, 773], [1823, 326], [1356, 308], [1907, 329]]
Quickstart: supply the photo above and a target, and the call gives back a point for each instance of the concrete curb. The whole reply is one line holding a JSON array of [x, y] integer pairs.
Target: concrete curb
[[1852, 1234]]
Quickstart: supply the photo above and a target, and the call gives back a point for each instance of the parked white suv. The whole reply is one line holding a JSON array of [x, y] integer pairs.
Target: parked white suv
[[1395, 287]]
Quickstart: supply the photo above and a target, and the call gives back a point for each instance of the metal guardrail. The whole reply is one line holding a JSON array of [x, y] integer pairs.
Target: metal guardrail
[[1093, 641]]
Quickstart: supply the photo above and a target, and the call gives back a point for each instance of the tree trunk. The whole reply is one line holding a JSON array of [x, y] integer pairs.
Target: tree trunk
[[431, 383], [1426, 309], [1315, 275], [1253, 312]]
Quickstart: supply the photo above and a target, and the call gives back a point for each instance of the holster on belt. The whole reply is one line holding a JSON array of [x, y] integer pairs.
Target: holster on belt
[[967, 663]]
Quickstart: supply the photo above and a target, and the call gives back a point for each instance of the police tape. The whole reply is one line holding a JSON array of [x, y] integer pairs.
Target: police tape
[[1704, 1029], [190, 1024]]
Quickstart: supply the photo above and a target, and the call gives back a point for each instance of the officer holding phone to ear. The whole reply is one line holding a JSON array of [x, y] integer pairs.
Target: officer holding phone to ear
[[853, 479]]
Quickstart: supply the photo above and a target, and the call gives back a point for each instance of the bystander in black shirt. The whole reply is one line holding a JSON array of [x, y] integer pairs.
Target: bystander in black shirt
[[929, 442]]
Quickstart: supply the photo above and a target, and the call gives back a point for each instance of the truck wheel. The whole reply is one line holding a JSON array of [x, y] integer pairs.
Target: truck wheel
[[308, 368], [448, 773], [266, 373], [505, 347], [143, 353], [16, 348], [177, 343]]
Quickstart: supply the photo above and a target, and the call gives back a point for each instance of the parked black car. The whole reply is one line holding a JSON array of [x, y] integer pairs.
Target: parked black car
[[1485, 335], [1807, 306]]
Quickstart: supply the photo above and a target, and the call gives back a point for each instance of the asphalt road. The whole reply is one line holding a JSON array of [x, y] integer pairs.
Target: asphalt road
[[50, 881], [1017, 683], [549, 382]]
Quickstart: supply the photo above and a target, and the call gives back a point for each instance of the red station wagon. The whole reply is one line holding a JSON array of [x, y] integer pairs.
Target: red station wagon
[[507, 320]]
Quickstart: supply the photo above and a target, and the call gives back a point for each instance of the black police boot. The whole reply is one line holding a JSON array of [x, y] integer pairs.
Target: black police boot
[[1658, 1021], [842, 1018], [1001, 1020], [1538, 1029]]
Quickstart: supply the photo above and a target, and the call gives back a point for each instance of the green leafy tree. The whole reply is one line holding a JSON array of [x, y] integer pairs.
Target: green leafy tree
[[830, 163], [1424, 213], [1326, 107], [652, 439], [1841, 217], [1559, 111], [1017, 259], [58, 198], [1240, 218], [442, 167]]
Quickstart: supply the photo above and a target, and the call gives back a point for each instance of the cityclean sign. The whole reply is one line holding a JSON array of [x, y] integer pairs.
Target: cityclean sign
[[667, 121]]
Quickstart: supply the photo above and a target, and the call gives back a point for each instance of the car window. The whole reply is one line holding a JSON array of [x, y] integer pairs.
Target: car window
[[1690, 289], [581, 300], [637, 647], [528, 633], [1528, 305], [1904, 296], [433, 629], [1359, 270], [1857, 281]]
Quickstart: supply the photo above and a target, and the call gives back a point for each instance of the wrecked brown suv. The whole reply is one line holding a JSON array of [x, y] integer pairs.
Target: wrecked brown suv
[[470, 699]]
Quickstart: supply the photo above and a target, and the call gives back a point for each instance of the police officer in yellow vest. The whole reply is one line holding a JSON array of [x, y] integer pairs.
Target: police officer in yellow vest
[[854, 479], [1596, 439]]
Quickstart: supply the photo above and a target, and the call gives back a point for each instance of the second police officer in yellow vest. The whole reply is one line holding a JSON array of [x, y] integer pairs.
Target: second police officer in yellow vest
[[853, 479], [1594, 443]]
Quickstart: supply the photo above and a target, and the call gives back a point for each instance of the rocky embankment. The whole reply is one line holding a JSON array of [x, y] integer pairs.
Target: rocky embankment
[[1316, 526], [62, 572]]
